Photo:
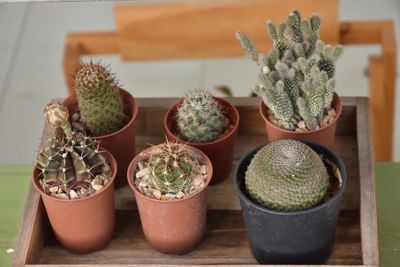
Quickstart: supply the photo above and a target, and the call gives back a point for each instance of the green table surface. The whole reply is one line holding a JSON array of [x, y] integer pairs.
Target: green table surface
[[14, 180]]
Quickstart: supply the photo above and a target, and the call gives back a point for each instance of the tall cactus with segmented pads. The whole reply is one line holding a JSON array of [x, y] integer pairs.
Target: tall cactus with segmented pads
[[297, 74], [69, 161], [200, 118], [287, 175], [99, 100]]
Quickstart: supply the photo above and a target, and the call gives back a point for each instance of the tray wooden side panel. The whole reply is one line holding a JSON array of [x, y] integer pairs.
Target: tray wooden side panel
[[226, 240], [368, 215]]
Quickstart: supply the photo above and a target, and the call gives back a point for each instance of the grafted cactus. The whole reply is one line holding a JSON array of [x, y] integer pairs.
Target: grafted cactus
[[297, 74], [69, 162], [200, 118], [171, 167], [287, 175]]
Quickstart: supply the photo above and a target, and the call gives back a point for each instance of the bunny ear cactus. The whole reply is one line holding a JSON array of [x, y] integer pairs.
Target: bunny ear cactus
[[287, 175], [200, 117], [297, 74], [171, 167], [99, 100], [69, 162]]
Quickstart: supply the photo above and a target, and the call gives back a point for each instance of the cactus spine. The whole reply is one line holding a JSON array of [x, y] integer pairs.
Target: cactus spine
[[99, 100], [200, 118], [287, 175], [297, 74], [171, 167], [69, 162]]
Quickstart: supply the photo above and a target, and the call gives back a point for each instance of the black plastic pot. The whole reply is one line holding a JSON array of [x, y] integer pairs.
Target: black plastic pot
[[300, 237]]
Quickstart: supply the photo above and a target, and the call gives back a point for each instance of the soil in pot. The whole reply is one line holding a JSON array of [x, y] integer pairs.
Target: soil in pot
[[173, 222], [220, 151], [120, 143], [324, 134], [293, 237], [81, 221]]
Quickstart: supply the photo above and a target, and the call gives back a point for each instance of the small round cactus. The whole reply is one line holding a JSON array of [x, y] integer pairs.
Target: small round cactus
[[171, 167], [287, 175], [99, 100], [200, 118]]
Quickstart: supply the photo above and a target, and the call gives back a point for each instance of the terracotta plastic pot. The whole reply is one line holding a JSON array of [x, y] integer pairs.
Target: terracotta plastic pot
[[82, 225], [295, 237], [324, 136], [220, 151], [120, 143], [172, 226]]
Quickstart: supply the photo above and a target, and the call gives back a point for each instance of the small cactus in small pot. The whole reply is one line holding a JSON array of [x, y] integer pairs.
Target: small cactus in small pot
[[104, 111], [296, 80], [169, 182], [207, 123], [290, 193], [75, 175]]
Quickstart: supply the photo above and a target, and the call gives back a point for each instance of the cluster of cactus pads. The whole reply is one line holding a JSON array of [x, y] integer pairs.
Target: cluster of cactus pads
[[297, 74], [200, 118], [70, 162], [100, 103], [287, 175]]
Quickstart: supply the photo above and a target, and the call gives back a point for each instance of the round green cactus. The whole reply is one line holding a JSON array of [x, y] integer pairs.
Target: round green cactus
[[287, 175], [200, 118], [99, 100], [171, 167]]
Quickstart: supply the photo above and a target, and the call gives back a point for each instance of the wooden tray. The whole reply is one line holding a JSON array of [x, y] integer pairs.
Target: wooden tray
[[225, 241]]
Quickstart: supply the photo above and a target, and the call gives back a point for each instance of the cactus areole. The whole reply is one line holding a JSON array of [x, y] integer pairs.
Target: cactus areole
[[296, 79]]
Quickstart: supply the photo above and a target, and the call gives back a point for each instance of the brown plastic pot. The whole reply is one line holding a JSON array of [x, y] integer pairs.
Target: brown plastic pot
[[220, 151], [172, 226], [324, 136], [82, 225], [120, 143]]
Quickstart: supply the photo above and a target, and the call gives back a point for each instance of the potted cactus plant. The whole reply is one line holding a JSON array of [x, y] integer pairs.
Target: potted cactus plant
[[207, 123], [104, 111], [169, 182], [296, 81], [290, 194], [75, 178]]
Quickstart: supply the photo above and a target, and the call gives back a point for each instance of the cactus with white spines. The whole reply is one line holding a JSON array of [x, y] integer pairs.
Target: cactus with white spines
[[297, 74]]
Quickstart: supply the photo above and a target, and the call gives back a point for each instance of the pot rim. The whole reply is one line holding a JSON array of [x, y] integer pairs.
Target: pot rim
[[144, 155], [221, 101], [131, 121], [336, 99], [326, 152], [113, 163]]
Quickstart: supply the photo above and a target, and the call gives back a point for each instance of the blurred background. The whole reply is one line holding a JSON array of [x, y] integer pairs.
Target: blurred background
[[32, 38]]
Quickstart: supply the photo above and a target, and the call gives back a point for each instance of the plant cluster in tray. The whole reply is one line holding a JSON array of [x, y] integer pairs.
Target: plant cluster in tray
[[297, 74]]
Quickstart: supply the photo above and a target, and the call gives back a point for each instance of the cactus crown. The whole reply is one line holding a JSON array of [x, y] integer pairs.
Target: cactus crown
[[200, 118], [287, 175], [69, 162], [297, 74], [100, 102], [171, 167]]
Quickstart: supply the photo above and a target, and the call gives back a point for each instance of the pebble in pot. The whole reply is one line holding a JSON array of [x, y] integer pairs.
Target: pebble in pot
[[169, 182], [290, 201], [75, 178]]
